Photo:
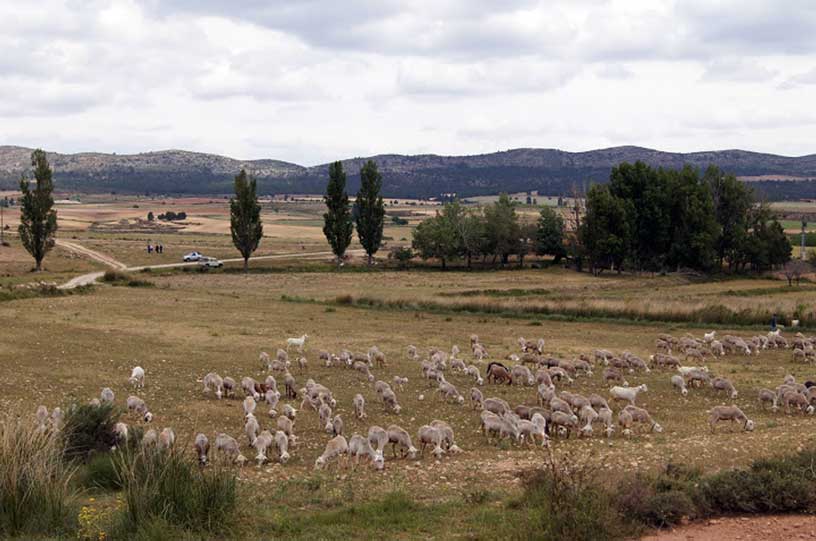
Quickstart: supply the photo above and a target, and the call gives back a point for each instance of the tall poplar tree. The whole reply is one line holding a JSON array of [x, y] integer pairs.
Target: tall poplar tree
[[245, 217], [370, 210], [38, 219], [337, 222]]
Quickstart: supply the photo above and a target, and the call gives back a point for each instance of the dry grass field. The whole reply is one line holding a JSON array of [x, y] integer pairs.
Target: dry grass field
[[56, 350]]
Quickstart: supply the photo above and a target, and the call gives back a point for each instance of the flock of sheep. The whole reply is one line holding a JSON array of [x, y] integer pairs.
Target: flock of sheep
[[556, 412]]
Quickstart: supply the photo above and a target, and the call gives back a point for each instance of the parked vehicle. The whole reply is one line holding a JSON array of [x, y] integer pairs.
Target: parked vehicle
[[192, 256], [210, 262]]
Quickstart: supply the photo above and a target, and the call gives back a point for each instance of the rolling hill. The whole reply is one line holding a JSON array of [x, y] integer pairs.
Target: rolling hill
[[549, 171]]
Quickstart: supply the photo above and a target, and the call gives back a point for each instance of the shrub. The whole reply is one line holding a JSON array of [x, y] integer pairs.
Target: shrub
[[89, 429], [119, 278], [171, 486], [100, 473], [112, 276], [563, 503], [35, 492]]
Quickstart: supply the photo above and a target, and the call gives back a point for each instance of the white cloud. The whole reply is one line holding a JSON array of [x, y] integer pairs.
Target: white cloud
[[315, 80]]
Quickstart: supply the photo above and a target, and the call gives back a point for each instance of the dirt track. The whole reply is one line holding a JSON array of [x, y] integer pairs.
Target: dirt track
[[743, 529]]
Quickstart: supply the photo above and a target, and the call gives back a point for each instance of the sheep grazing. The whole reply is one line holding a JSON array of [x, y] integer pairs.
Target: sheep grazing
[[261, 443], [398, 437], [412, 353], [289, 411], [337, 425], [324, 416], [336, 447], [664, 360], [376, 357], [640, 415], [798, 400], [289, 386], [722, 384], [697, 377], [729, 413], [543, 377], [559, 374], [150, 438], [767, 396], [42, 418], [496, 405], [58, 417], [302, 363], [167, 438], [564, 422], [473, 371], [214, 381], [251, 428], [597, 401], [613, 374], [249, 406], [134, 403], [282, 444], [498, 373], [521, 375], [286, 425], [359, 406], [628, 394], [229, 386], [249, 386], [449, 392], [716, 348], [264, 360], [428, 435], [363, 368], [679, 383], [296, 342], [389, 400], [202, 448], [120, 433], [503, 426], [400, 382], [137, 377], [228, 446], [107, 396], [272, 398], [361, 447], [535, 427], [476, 398], [605, 417], [545, 394]]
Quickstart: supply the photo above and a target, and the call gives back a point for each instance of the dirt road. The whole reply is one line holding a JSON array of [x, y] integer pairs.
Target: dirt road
[[785, 527], [91, 277]]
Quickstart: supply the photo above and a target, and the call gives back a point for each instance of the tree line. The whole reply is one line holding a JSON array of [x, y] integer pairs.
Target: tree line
[[648, 219], [644, 219]]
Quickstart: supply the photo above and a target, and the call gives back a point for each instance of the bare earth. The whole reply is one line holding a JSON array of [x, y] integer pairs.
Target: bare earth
[[743, 529]]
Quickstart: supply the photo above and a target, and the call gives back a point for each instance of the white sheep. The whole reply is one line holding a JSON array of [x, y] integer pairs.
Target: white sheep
[[134, 403], [476, 398], [296, 342], [398, 436], [261, 443], [286, 425], [251, 428], [361, 447], [729, 413], [449, 392], [428, 435], [249, 406], [473, 371], [400, 382], [228, 445], [679, 383], [137, 377], [359, 406], [336, 447], [214, 381], [324, 416], [282, 443], [723, 384], [202, 447], [337, 425], [768, 396], [229, 386], [167, 438], [150, 438], [120, 433], [107, 396], [628, 394], [378, 438], [249, 385], [390, 401]]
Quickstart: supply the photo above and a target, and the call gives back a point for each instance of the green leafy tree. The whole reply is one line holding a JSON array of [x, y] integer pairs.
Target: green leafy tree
[[502, 229], [549, 234], [337, 221], [436, 238], [604, 231], [245, 217], [38, 219], [370, 210]]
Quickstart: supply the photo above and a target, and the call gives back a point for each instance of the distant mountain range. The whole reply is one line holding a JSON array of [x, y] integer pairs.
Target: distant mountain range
[[548, 171]]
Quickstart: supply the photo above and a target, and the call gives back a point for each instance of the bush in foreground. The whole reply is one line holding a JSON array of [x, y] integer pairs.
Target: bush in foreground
[[35, 493], [171, 486]]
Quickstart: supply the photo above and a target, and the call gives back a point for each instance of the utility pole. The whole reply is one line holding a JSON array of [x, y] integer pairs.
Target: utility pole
[[802, 254], [3, 204]]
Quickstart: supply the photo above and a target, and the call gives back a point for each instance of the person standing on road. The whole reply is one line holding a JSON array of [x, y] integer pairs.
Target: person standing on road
[[773, 322], [149, 248]]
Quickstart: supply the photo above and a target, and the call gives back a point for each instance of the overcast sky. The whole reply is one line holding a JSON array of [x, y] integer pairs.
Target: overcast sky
[[309, 81]]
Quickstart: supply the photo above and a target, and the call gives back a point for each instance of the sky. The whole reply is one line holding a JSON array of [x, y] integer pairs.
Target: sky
[[309, 81]]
